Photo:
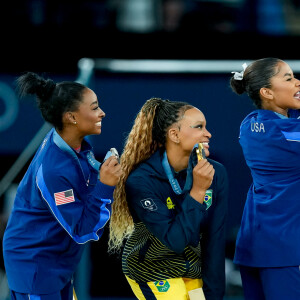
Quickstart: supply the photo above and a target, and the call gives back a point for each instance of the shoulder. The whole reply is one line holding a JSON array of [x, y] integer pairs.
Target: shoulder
[[149, 167], [147, 174], [57, 163]]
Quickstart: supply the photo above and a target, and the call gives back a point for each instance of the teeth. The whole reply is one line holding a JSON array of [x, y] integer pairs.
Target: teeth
[[206, 144], [98, 124], [297, 95]]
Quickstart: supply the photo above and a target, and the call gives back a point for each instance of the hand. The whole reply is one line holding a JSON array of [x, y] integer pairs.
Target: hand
[[203, 174], [110, 171]]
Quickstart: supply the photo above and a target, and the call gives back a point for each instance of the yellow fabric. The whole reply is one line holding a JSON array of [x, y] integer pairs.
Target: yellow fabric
[[74, 295], [197, 294], [178, 288]]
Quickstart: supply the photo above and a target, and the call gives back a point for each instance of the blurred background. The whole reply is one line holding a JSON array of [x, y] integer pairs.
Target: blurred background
[[128, 51]]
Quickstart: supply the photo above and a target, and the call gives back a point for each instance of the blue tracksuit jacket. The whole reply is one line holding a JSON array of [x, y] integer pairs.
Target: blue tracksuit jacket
[[269, 235], [59, 206], [174, 235]]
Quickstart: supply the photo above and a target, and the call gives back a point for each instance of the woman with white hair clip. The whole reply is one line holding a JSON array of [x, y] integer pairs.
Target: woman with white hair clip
[[268, 242]]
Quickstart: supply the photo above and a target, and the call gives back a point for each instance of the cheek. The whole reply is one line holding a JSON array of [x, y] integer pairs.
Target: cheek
[[198, 135], [90, 117], [190, 140]]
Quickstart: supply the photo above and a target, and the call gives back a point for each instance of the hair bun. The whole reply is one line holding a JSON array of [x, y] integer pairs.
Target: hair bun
[[49, 87], [45, 89]]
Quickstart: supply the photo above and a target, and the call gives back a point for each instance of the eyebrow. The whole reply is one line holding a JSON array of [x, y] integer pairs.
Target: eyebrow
[[197, 123], [95, 102], [287, 74]]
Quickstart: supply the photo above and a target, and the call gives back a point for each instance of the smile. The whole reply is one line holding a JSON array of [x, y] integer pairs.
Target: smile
[[297, 95]]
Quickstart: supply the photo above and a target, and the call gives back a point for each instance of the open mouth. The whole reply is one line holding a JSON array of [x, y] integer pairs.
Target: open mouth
[[297, 95]]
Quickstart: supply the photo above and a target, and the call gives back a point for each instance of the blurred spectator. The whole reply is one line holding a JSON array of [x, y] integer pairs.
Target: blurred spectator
[[205, 16], [292, 16], [270, 17], [266, 17], [137, 16], [172, 14]]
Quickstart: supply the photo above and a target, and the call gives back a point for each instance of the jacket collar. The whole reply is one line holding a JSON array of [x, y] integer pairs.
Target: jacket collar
[[86, 147]]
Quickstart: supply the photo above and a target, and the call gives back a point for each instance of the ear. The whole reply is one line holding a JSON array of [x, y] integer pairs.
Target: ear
[[266, 93], [173, 135], [69, 117]]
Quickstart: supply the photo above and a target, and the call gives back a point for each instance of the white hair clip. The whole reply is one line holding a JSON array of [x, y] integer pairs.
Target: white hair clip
[[240, 75]]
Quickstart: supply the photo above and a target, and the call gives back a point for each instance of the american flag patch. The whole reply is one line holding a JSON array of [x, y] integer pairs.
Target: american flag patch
[[64, 197]]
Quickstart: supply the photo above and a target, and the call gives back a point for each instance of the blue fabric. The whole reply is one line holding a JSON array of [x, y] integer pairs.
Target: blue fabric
[[65, 294], [292, 136], [258, 283], [269, 235], [43, 241]]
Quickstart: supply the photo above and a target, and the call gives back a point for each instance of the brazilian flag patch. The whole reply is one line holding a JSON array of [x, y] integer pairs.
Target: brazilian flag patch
[[162, 285], [208, 198]]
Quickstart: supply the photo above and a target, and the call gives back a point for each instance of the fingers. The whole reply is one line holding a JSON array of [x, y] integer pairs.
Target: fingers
[[203, 172], [110, 171], [111, 161], [205, 167]]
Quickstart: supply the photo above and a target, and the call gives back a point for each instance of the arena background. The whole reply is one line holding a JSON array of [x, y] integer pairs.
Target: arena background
[[190, 45]]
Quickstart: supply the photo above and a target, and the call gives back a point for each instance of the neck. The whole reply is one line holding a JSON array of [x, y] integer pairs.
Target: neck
[[177, 159], [70, 138], [279, 110]]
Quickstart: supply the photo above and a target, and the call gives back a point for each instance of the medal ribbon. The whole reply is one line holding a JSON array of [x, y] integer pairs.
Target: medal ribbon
[[173, 181]]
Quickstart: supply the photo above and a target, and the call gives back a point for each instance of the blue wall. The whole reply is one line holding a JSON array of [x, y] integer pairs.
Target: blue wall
[[122, 95]]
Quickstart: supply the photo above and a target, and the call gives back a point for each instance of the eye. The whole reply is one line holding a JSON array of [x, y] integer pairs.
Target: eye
[[96, 108], [200, 126]]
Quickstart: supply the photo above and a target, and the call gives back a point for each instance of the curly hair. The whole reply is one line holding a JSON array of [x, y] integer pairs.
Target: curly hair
[[146, 136]]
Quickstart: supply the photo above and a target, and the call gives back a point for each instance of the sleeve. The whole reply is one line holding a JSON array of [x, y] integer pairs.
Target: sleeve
[[272, 153], [176, 228], [81, 213], [214, 239]]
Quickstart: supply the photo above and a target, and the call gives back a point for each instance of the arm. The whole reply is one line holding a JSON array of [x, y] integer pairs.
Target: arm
[[213, 239], [85, 212]]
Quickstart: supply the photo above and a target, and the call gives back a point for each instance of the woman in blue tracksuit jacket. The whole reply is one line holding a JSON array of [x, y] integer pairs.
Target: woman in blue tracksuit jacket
[[268, 242], [64, 200], [170, 207]]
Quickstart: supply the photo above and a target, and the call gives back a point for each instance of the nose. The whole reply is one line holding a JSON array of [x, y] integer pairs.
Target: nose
[[101, 113], [207, 133]]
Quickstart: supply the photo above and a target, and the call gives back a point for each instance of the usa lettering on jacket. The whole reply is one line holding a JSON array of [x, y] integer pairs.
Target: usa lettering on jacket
[[257, 127]]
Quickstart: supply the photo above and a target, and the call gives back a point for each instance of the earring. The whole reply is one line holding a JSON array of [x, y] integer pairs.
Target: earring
[[75, 122]]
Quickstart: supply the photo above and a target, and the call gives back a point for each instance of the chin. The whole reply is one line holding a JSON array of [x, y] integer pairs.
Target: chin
[[98, 131], [206, 152]]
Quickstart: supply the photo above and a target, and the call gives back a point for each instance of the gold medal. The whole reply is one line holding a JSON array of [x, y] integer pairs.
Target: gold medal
[[199, 150]]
